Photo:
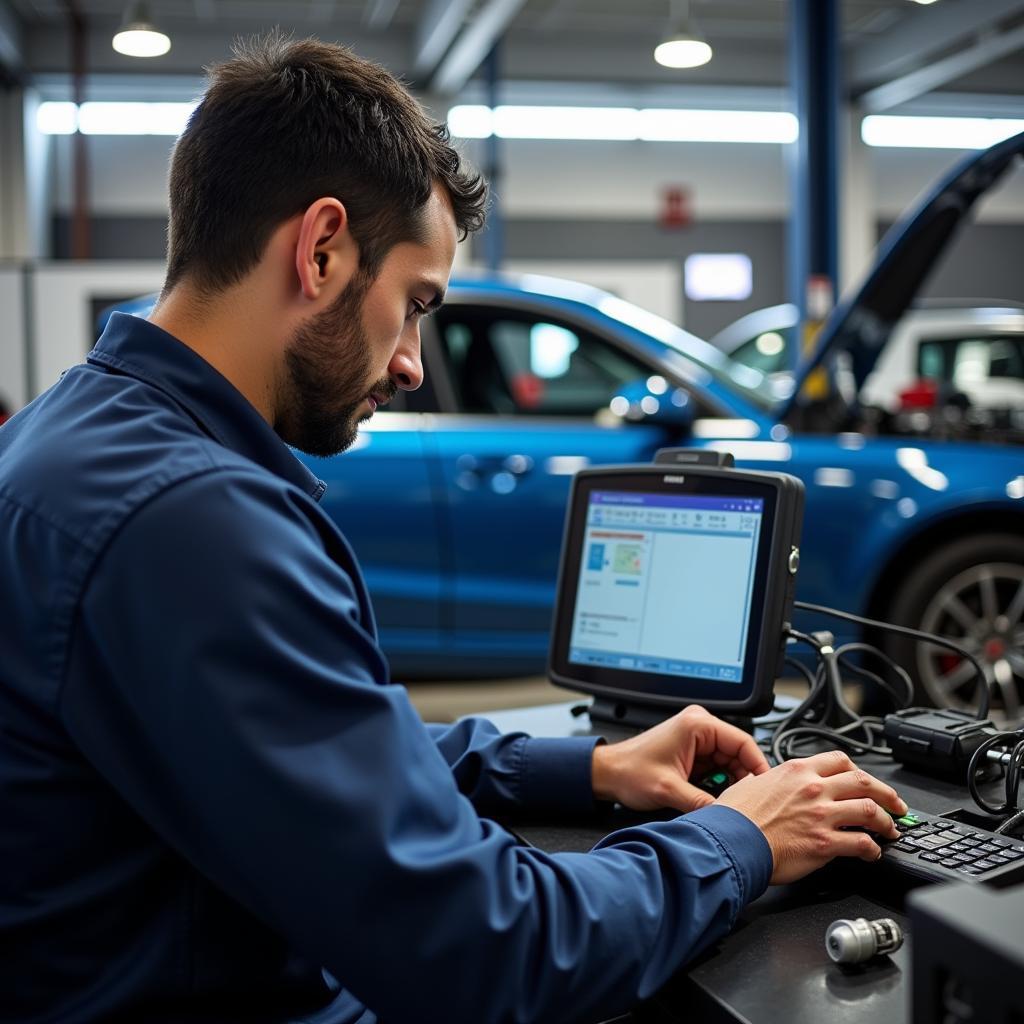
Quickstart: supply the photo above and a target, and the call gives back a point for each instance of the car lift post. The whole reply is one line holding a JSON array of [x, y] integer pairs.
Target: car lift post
[[814, 172]]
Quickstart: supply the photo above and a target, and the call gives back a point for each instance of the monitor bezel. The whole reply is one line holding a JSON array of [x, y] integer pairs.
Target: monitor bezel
[[754, 693]]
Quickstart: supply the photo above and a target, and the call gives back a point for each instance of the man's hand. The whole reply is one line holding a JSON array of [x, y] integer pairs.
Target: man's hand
[[801, 805], [652, 770]]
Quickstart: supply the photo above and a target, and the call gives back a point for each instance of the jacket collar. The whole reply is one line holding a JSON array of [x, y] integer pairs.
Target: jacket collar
[[137, 348]]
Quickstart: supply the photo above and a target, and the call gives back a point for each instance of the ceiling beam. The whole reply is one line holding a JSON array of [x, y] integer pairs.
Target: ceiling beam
[[988, 48], [377, 14], [474, 44], [12, 54], [438, 26], [922, 34]]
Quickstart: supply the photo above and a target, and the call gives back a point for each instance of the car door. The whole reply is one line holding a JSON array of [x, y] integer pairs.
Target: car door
[[529, 385]]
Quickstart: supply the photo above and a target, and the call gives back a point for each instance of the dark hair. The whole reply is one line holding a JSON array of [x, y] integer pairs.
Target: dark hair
[[284, 123]]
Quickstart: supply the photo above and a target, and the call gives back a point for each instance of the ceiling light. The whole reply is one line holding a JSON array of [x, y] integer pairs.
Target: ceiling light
[[937, 132], [682, 51], [622, 124], [138, 36], [683, 48]]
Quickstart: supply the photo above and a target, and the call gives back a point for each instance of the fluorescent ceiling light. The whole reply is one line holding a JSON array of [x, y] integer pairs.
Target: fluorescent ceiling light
[[658, 125], [114, 118], [622, 124], [614, 123], [937, 132], [682, 52], [471, 121], [57, 118]]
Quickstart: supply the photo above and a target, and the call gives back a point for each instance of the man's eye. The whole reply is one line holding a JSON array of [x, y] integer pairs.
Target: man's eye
[[415, 309]]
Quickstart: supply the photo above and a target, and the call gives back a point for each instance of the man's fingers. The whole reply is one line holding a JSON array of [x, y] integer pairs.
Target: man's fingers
[[726, 743], [864, 813], [858, 783], [690, 798], [854, 844], [832, 762]]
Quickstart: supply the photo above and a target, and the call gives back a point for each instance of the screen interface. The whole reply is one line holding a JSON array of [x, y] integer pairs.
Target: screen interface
[[665, 583]]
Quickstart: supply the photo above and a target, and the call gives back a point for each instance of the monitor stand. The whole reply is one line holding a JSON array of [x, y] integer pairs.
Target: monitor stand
[[643, 716]]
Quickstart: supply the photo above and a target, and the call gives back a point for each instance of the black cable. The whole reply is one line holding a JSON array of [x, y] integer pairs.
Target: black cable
[[781, 746], [802, 669], [983, 694], [1011, 824], [826, 703], [1013, 771], [898, 700]]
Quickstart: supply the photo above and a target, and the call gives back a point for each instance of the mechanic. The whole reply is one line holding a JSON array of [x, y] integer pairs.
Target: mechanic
[[215, 804]]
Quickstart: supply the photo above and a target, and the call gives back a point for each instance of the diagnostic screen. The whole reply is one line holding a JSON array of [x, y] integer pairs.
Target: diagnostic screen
[[665, 583]]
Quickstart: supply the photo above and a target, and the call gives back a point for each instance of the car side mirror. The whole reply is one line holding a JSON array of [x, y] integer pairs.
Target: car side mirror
[[654, 401]]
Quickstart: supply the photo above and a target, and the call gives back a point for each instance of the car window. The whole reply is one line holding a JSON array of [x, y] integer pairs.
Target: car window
[[767, 351], [964, 362], [505, 361]]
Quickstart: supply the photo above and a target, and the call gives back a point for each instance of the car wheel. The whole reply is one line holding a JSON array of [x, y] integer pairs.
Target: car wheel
[[971, 592]]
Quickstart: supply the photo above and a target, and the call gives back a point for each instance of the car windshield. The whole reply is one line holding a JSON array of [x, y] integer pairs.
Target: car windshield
[[697, 354]]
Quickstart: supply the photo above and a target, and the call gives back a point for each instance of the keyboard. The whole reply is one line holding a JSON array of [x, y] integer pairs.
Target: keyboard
[[940, 850]]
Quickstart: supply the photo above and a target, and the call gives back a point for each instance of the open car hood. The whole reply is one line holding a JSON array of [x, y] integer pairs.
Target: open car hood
[[860, 324]]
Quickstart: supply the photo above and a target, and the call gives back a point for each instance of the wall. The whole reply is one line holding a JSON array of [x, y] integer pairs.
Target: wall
[[573, 180], [622, 241], [63, 297], [13, 347]]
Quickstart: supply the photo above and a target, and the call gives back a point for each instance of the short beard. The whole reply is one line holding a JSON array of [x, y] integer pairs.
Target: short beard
[[328, 366]]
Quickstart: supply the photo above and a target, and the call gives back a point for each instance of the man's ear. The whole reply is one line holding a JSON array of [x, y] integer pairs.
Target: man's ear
[[326, 255]]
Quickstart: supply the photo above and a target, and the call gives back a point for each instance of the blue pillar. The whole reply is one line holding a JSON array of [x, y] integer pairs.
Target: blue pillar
[[493, 236], [815, 83]]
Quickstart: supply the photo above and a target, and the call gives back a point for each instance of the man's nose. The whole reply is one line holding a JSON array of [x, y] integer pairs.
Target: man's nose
[[406, 368]]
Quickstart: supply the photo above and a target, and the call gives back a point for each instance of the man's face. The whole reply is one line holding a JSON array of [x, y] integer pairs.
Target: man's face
[[354, 356]]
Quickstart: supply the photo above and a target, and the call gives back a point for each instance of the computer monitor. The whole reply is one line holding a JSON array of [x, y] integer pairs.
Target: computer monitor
[[675, 588]]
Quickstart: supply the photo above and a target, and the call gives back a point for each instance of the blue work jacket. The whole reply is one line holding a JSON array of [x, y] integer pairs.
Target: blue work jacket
[[215, 806]]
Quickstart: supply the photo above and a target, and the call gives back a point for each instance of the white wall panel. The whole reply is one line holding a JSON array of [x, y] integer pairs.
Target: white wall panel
[[13, 388], [651, 284], [62, 295]]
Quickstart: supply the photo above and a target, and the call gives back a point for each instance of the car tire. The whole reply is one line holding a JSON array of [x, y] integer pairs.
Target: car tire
[[971, 592]]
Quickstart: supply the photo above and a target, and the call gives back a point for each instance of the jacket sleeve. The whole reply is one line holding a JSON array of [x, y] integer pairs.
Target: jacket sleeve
[[503, 772], [238, 705]]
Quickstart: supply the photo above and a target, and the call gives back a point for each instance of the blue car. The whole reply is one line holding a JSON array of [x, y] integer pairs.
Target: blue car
[[454, 496]]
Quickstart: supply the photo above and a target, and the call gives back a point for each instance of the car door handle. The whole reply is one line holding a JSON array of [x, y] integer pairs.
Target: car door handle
[[501, 473]]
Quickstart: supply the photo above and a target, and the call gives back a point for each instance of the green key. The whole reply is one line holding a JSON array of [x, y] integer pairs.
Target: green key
[[909, 821]]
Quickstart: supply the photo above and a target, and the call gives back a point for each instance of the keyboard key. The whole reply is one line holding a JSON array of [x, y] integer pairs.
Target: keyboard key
[[1011, 854], [909, 821], [969, 869], [931, 842], [987, 848], [933, 857], [985, 865], [999, 841]]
